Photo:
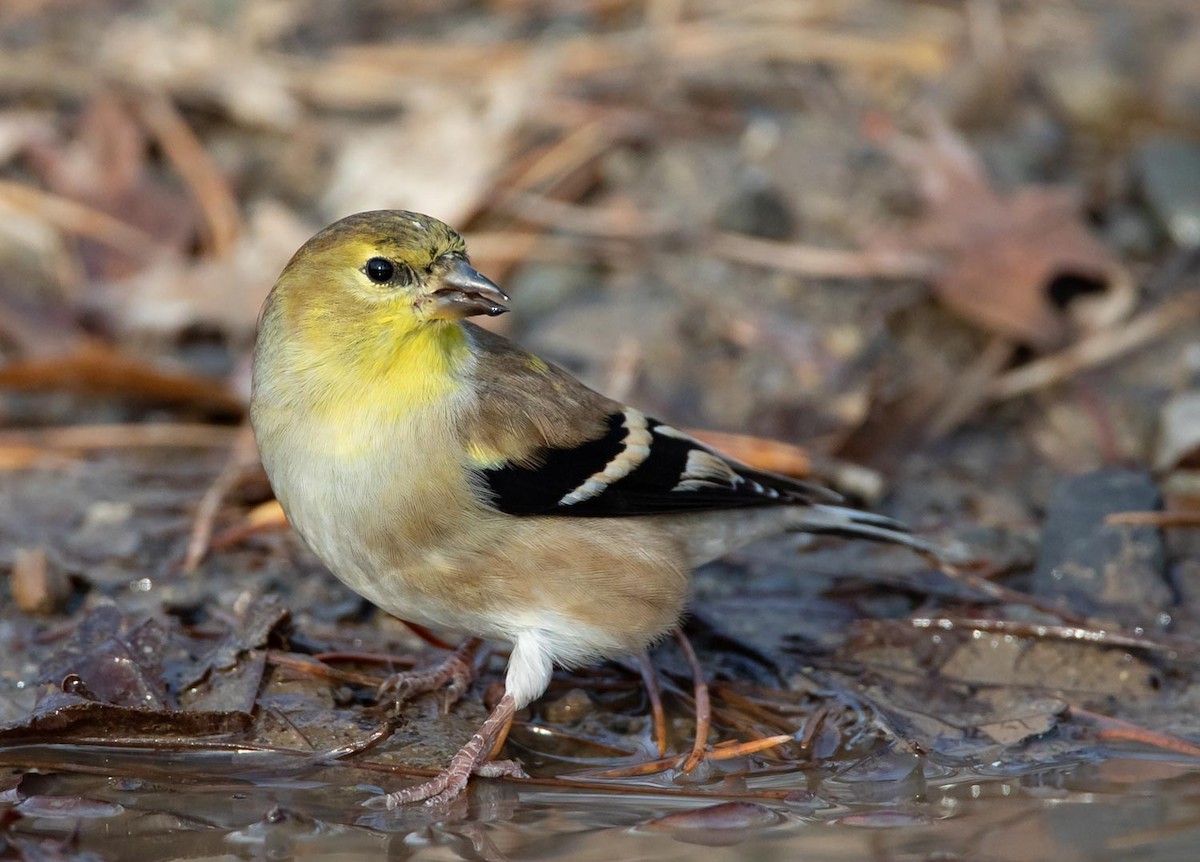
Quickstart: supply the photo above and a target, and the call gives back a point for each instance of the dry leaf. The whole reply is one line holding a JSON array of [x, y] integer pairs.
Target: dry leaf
[[206, 65], [1023, 265], [106, 166], [225, 293], [440, 157]]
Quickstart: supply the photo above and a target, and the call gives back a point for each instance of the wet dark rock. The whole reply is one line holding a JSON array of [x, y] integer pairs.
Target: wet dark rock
[[571, 708], [1169, 171], [1118, 569], [757, 208]]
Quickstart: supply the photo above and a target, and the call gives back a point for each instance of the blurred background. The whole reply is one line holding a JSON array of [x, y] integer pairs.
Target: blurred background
[[944, 255], [748, 216]]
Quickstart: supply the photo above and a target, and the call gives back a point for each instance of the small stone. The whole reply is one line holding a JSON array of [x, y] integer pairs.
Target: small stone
[[757, 208], [571, 708], [1091, 92], [1119, 569], [1169, 172]]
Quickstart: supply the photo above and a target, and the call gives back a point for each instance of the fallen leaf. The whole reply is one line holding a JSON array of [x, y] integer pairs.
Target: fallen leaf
[[441, 156], [107, 166], [1021, 265], [223, 292]]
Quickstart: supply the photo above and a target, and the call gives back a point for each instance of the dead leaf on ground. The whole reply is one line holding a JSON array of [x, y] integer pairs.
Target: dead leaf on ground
[[107, 166], [441, 156], [121, 677], [1022, 265], [225, 293]]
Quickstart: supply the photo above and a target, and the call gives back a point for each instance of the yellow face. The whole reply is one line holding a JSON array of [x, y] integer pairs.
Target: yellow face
[[392, 266]]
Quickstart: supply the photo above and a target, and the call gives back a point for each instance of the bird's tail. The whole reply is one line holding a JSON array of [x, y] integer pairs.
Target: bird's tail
[[855, 524]]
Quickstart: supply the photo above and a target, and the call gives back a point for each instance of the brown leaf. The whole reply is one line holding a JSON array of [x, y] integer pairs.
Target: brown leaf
[[1023, 265], [106, 166], [225, 292]]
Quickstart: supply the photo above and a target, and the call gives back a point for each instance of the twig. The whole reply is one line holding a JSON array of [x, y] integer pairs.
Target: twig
[[812, 727], [365, 658], [607, 222], [1175, 518], [133, 435], [80, 219], [817, 262], [970, 388], [243, 458], [1097, 349], [313, 666], [568, 154], [506, 247], [623, 368], [93, 367], [210, 189], [732, 748], [1117, 730], [1103, 637]]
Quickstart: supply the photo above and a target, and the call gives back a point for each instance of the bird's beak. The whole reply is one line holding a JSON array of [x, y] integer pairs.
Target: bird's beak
[[463, 292]]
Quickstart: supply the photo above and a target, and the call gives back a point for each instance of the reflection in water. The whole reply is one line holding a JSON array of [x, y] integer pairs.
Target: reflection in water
[[881, 807]]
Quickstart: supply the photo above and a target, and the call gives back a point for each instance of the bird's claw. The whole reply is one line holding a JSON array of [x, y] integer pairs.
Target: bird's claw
[[471, 759], [453, 675], [445, 787]]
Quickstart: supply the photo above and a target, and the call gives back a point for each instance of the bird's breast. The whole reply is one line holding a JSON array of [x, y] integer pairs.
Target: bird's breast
[[369, 495]]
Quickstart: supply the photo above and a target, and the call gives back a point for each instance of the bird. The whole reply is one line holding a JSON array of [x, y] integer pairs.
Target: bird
[[461, 482]]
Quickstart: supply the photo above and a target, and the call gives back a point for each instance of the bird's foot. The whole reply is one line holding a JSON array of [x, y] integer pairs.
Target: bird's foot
[[471, 759], [453, 675]]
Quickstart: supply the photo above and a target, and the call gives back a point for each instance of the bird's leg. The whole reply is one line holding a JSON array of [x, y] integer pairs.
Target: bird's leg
[[454, 674], [703, 705], [471, 759], [654, 693]]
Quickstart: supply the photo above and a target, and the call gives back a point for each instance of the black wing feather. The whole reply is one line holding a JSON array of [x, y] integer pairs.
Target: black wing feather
[[650, 488]]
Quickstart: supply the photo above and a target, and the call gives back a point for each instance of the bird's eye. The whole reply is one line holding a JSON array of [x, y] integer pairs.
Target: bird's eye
[[380, 270]]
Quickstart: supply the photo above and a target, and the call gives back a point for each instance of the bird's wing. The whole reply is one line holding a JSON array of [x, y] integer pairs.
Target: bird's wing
[[542, 443]]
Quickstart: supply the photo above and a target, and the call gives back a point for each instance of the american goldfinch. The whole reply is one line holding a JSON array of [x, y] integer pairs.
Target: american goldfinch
[[460, 482]]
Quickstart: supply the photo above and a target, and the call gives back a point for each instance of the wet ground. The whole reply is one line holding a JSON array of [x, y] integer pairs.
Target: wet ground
[[947, 252]]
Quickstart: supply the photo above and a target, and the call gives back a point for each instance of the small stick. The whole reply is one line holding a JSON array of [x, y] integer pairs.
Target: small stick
[[1103, 637], [1097, 349], [80, 219], [732, 748], [1174, 518], [242, 459], [210, 189], [819, 262], [122, 436], [1117, 730]]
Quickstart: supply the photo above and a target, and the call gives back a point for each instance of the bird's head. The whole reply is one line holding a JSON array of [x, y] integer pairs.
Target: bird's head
[[390, 266]]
